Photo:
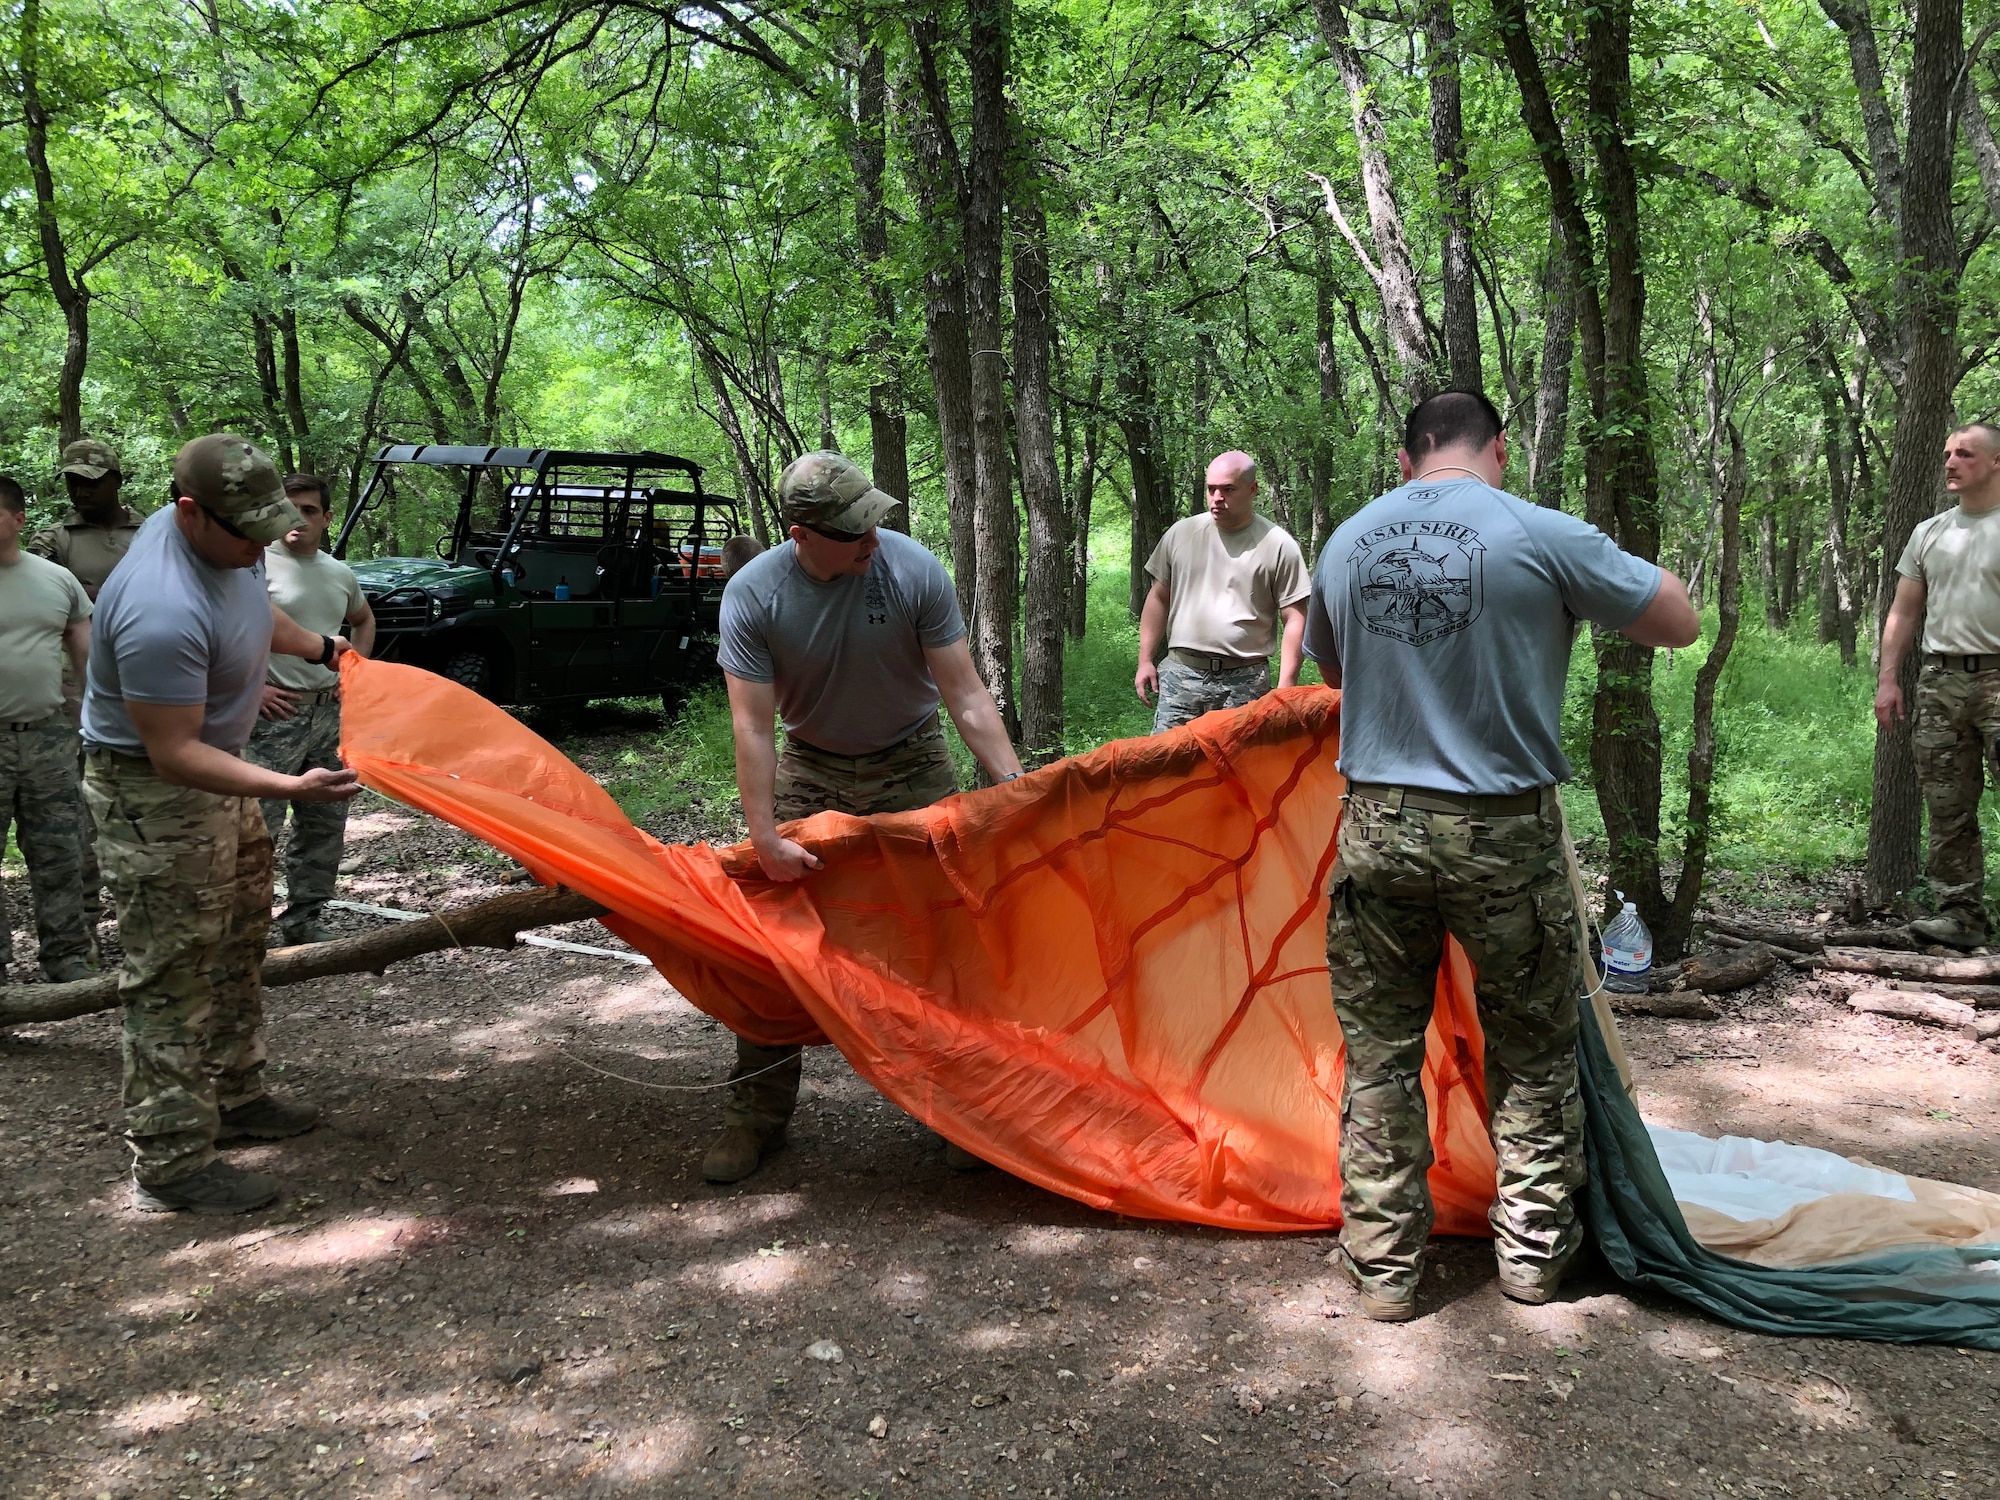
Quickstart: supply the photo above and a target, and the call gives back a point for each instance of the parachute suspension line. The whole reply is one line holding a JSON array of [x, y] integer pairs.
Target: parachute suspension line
[[1607, 1023]]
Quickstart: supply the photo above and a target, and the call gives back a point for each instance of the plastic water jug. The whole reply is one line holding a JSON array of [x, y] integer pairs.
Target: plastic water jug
[[1628, 952], [562, 588]]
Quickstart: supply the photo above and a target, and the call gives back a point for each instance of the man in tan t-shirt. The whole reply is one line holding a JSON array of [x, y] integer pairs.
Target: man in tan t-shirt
[[44, 617], [298, 723], [1229, 587], [1949, 577]]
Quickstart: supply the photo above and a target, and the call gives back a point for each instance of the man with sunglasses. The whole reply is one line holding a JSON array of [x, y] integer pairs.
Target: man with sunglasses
[[852, 636], [184, 630]]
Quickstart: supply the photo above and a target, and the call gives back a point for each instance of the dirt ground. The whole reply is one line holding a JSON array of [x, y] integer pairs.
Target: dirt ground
[[498, 1272]]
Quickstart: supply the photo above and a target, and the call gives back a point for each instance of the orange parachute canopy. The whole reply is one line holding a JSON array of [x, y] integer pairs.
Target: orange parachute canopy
[[1107, 977]]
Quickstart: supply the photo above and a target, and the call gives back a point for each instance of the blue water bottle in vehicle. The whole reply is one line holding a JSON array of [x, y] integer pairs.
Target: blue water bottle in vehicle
[[562, 587], [1628, 952]]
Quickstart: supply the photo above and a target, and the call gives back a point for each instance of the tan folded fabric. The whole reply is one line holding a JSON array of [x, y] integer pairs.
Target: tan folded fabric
[[1842, 1226]]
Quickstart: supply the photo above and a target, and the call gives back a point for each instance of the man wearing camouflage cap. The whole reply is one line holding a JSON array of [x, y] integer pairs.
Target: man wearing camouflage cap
[[183, 632], [852, 636], [90, 541]]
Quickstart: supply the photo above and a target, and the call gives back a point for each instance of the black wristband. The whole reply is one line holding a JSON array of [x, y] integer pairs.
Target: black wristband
[[326, 653]]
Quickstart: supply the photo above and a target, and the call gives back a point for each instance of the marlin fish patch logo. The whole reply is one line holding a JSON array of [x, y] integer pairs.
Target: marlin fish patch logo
[[1416, 581]]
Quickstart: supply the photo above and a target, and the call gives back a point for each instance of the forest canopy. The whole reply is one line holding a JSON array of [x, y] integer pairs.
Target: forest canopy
[[1724, 268]]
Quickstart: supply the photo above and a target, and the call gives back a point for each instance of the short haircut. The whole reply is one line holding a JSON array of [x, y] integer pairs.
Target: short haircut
[[1246, 466], [737, 551], [1451, 419], [299, 484], [12, 495], [1991, 431]]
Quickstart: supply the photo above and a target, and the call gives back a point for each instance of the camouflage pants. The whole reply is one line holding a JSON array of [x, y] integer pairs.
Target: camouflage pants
[[191, 873], [38, 796], [309, 739], [1186, 694], [1957, 736], [1403, 879], [910, 774]]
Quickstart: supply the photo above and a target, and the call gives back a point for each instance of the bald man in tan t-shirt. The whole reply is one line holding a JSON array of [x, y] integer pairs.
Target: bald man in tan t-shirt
[[1949, 577], [1229, 587]]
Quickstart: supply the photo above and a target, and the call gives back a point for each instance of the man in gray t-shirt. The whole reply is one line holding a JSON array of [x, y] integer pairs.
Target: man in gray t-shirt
[[850, 635], [176, 669], [1445, 612]]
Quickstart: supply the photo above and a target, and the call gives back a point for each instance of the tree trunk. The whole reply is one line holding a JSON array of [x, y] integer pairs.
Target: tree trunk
[[67, 287], [1672, 942], [493, 923], [1085, 493], [996, 524], [1767, 566], [1325, 351], [1041, 479], [1927, 294], [1460, 289], [937, 182], [1545, 457], [1788, 569], [888, 426], [1392, 269], [1625, 739], [291, 365], [1138, 425]]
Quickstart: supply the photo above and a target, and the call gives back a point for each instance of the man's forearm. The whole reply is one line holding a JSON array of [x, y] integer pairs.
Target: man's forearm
[[980, 726], [362, 635], [1292, 648], [200, 765], [1152, 628], [757, 780], [289, 638], [1897, 636]]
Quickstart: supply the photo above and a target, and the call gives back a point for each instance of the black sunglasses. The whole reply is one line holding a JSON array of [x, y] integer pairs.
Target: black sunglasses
[[849, 537], [239, 535]]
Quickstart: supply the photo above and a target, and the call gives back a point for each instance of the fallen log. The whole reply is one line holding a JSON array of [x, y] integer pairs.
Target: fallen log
[[1670, 1006], [1983, 1029], [1980, 970], [481, 924], [1810, 939], [1718, 974], [1910, 1005], [1978, 996]]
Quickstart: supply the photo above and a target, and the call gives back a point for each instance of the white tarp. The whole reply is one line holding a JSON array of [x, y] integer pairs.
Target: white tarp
[[1745, 1179]]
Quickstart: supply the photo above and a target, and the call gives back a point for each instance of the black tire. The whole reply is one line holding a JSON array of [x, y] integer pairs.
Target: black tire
[[470, 667]]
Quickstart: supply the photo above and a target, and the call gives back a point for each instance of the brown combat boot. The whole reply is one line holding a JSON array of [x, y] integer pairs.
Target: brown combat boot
[[1951, 930], [738, 1152], [1382, 1307]]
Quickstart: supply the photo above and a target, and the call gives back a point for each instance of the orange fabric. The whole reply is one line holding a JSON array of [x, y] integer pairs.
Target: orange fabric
[[1108, 977]]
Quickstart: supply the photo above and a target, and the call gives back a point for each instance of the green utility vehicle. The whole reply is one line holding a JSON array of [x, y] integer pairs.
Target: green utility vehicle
[[564, 576]]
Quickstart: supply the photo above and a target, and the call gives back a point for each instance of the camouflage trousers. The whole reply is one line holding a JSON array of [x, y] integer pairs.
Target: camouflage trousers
[[1404, 878], [38, 796], [309, 739], [1187, 693], [191, 873], [913, 773], [1956, 737]]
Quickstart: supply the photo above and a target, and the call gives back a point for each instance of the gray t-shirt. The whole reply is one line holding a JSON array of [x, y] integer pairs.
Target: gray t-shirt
[[1449, 609], [173, 629], [846, 656]]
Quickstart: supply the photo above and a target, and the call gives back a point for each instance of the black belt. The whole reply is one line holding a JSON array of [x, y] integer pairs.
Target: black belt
[[1201, 661], [309, 697], [1965, 663], [1478, 805]]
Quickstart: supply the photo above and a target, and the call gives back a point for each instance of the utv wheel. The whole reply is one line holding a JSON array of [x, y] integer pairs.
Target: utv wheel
[[472, 669]]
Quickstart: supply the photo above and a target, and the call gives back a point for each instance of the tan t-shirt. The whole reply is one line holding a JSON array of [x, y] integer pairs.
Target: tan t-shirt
[[1956, 556], [1225, 588], [86, 549], [38, 602], [319, 592]]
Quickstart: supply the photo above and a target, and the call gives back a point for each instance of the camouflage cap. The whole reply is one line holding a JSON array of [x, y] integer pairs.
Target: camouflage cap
[[232, 478], [827, 489], [87, 458]]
